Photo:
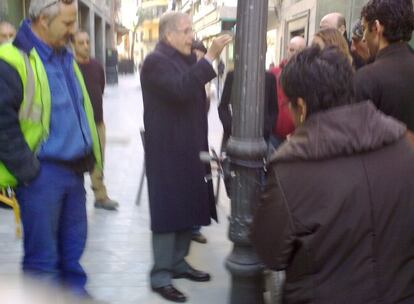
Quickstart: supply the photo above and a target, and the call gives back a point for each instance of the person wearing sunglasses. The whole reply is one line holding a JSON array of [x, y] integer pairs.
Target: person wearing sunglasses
[[48, 139]]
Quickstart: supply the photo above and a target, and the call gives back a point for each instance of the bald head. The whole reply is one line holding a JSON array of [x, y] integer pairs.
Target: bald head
[[296, 44], [333, 20], [7, 32]]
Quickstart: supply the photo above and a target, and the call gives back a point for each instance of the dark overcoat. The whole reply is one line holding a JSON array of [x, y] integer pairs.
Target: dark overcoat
[[388, 82], [175, 121], [337, 213]]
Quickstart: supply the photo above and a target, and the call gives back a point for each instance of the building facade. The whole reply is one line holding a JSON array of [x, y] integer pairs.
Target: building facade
[[288, 18], [97, 17], [148, 17]]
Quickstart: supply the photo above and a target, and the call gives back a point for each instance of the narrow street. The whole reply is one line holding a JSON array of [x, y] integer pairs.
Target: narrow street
[[118, 253]]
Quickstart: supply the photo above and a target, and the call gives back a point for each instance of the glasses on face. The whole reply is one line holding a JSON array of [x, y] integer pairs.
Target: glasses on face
[[186, 31], [67, 2]]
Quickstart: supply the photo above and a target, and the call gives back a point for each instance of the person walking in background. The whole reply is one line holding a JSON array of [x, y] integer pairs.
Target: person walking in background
[[94, 76], [7, 32], [270, 107], [337, 211], [359, 48], [48, 140], [225, 111], [334, 20], [337, 21], [388, 81], [200, 51], [332, 37], [175, 120], [283, 124]]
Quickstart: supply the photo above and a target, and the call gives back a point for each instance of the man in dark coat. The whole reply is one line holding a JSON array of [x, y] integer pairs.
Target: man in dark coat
[[337, 213], [388, 81], [270, 106], [175, 123]]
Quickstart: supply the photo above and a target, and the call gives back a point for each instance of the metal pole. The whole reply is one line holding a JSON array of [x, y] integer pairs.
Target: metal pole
[[247, 149]]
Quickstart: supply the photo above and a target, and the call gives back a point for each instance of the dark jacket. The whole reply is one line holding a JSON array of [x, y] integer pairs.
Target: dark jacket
[[94, 76], [337, 213], [14, 151], [270, 105], [388, 82], [175, 123]]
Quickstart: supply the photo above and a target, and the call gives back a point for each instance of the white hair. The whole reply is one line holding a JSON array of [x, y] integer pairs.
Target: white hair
[[37, 8], [168, 22]]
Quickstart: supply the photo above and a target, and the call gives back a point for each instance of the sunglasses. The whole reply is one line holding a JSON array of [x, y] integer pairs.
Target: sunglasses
[[67, 2]]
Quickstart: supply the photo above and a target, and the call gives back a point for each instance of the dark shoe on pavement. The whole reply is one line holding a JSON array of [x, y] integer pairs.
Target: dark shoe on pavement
[[193, 275], [170, 293], [199, 238], [107, 204]]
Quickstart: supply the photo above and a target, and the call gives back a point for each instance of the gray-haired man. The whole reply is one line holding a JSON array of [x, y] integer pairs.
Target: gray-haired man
[[48, 140], [175, 122]]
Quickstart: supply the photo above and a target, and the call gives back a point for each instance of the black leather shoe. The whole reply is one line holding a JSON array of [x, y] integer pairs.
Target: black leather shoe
[[193, 275], [170, 293]]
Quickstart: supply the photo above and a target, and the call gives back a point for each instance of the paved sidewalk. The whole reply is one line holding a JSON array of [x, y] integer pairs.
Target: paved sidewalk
[[118, 254]]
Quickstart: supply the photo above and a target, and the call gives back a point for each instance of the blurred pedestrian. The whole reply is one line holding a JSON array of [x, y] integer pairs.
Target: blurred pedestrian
[[337, 211], [283, 125], [175, 120], [7, 32], [388, 81], [94, 76], [48, 140], [225, 108], [334, 20], [200, 51], [359, 47], [332, 37], [225, 111], [337, 21]]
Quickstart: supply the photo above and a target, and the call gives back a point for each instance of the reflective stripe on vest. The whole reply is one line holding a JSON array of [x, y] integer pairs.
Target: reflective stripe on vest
[[29, 111], [35, 108]]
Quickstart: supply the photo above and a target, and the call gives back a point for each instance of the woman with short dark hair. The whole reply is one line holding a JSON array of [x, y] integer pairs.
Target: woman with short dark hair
[[337, 213]]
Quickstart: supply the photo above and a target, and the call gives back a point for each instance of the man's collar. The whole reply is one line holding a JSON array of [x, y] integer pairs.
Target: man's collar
[[26, 40], [166, 48], [391, 48], [172, 52]]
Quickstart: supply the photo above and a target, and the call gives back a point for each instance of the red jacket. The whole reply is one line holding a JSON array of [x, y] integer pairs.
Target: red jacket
[[284, 123]]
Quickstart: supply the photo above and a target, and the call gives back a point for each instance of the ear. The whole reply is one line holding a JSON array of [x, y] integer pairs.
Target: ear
[[43, 20], [378, 27], [168, 36], [342, 29], [302, 109], [375, 26]]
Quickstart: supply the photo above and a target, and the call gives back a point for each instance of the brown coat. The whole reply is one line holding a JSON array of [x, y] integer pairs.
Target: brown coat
[[338, 211]]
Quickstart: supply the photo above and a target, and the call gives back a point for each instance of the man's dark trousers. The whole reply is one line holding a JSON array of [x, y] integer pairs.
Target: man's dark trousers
[[169, 251], [54, 219]]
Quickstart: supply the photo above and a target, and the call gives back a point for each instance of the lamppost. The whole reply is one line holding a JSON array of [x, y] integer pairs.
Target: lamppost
[[247, 149]]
